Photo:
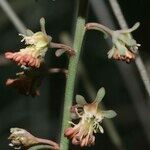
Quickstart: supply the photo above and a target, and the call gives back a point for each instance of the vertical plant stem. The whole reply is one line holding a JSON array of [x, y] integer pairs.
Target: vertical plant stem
[[72, 70]]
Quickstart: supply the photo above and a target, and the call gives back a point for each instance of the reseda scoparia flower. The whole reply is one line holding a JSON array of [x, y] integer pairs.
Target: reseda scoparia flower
[[37, 45], [124, 46], [90, 115], [20, 138]]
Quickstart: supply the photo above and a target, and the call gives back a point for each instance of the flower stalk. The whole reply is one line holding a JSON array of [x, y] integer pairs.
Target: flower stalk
[[72, 71]]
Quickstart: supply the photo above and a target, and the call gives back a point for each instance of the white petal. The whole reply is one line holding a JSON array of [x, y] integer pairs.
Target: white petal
[[101, 129]]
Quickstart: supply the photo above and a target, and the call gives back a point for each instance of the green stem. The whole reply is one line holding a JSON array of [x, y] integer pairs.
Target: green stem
[[72, 70]]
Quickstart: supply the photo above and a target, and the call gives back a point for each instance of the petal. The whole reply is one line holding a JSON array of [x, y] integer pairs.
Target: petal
[[101, 129], [128, 40], [80, 100], [135, 26], [108, 114], [74, 116], [121, 47], [29, 32], [111, 52], [42, 24], [41, 44], [100, 95], [59, 52]]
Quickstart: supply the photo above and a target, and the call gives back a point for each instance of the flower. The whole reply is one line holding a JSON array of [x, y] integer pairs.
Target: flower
[[90, 115], [40, 39], [124, 47], [27, 82], [37, 45], [25, 58], [20, 138]]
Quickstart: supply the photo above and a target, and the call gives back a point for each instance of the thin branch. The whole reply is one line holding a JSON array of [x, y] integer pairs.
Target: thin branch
[[12, 16]]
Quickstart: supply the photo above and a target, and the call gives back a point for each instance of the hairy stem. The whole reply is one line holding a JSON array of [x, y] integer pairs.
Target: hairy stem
[[73, 63]]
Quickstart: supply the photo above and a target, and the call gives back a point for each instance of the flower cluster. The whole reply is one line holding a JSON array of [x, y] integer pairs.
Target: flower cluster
[[31, 60], [124, 46], [37, 45], [90, 115]]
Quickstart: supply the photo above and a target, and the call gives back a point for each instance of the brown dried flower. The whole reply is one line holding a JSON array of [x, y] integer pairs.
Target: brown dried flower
[[21, 138]]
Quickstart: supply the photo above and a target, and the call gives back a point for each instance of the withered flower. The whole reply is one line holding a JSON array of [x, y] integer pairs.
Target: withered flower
[[124, 47], [90, 115], [20, 138], [28, 81]]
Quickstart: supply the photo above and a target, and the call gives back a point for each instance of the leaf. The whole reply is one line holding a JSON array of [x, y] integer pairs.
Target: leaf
[[100, 94], [108, 114], [80, 100]]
